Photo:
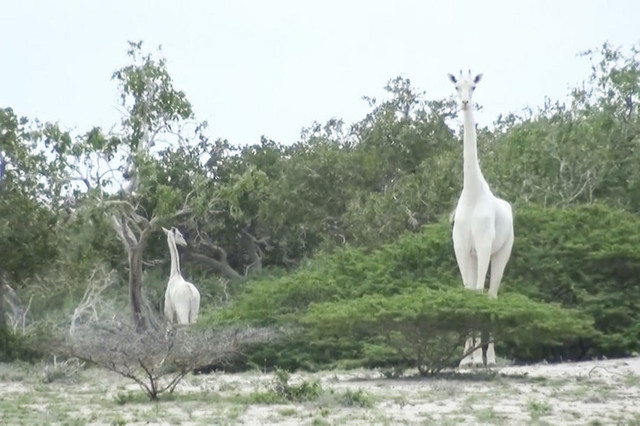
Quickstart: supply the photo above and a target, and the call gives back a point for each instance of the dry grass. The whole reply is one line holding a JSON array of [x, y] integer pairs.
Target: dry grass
[[601, 392]]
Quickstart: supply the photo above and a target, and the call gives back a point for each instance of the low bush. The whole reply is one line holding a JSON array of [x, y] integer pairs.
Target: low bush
[[14, 346], [357, 307], [426, 328]]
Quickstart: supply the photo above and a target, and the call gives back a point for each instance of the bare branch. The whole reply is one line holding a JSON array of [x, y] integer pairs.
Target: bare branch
[[220, 266], [157, 359], [91, 299]]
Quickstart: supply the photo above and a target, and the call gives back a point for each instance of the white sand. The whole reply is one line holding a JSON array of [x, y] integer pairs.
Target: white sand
[[598, 392]]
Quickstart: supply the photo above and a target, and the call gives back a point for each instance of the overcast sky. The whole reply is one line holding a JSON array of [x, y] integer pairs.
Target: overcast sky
[[270, 68]]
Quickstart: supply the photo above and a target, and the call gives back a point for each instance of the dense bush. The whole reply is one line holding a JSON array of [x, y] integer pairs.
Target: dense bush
[[426, 328], [415, 260], [585, 258], [14, 346]]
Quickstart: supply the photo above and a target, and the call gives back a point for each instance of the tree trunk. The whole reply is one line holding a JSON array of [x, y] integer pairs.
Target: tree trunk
[[134, 246], [252, 252], [3, 316], [135, 289]]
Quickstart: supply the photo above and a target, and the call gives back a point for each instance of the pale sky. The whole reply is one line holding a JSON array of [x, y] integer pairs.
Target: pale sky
[[270, 68]]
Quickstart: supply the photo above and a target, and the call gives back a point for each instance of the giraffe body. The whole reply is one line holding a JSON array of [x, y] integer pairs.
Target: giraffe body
[[483, 223], [181, 299]]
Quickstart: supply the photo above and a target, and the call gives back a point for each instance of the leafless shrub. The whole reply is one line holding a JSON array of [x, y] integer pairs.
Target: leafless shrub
[[157, 358], [17, 316], [87, 309], [55, 370]]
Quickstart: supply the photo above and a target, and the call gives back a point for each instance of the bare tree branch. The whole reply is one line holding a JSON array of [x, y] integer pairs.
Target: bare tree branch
[[157, 359]]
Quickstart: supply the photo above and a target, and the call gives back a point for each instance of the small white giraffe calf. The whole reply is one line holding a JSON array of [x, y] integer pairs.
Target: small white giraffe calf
[[182, 299]]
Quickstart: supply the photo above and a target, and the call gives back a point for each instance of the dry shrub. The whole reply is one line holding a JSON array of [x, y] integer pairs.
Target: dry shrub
[[158, 357]]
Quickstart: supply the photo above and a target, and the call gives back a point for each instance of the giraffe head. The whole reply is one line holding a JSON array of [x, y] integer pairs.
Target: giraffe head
[[176, 235], [465, 85]]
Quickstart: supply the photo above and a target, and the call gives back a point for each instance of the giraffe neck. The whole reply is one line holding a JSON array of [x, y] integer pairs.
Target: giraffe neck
[[473, 178], [175, 260]]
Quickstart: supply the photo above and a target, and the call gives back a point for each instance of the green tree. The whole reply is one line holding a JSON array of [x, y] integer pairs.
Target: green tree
[[156, 115], [30, 194], [581, 152]]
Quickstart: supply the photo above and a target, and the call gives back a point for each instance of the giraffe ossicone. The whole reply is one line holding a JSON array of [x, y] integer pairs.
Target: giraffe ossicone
[[482, 223]]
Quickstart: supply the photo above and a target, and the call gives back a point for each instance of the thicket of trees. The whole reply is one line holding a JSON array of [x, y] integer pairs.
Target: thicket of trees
[[342, 237]]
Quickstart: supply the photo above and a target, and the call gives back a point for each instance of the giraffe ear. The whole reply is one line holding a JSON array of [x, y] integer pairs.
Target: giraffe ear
[[166, 231], [452, 78], [478, 78]]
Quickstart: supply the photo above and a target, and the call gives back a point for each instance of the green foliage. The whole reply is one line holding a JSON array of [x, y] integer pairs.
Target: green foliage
[[89, 242], [29, 196], [538, 409], [578, 153], [414, 261], [15, 347], [425, 328], [357, 398], [26, 249], [282, 391], [305, 391], [587, 257], [402, 305], [147, 92], [352, 214]]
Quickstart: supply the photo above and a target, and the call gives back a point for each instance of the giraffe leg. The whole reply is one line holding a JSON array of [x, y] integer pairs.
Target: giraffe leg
[[182, 313], [491, 355], [498, 264], [468, 269], [467, 361], [483, 256], [466, 264], [168, 310], [194, 306]]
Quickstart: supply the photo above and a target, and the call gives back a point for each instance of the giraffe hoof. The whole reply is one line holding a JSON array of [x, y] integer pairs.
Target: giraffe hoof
[[467, 363]]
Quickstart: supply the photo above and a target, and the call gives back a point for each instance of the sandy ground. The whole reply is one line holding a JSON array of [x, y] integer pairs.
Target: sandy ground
[[596, 392]]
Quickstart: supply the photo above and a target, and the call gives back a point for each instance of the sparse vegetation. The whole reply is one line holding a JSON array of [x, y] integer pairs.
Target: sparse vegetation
[[60, 370], [95, 396], [358, 398], [281, 390], [538, 409]]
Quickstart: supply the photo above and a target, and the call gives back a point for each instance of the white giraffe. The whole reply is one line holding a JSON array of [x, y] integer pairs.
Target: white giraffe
[[483, 223], [182, 299]]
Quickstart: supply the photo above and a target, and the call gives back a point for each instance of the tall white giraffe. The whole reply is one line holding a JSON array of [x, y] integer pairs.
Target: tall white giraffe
[[483, 223], [182, 299]]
